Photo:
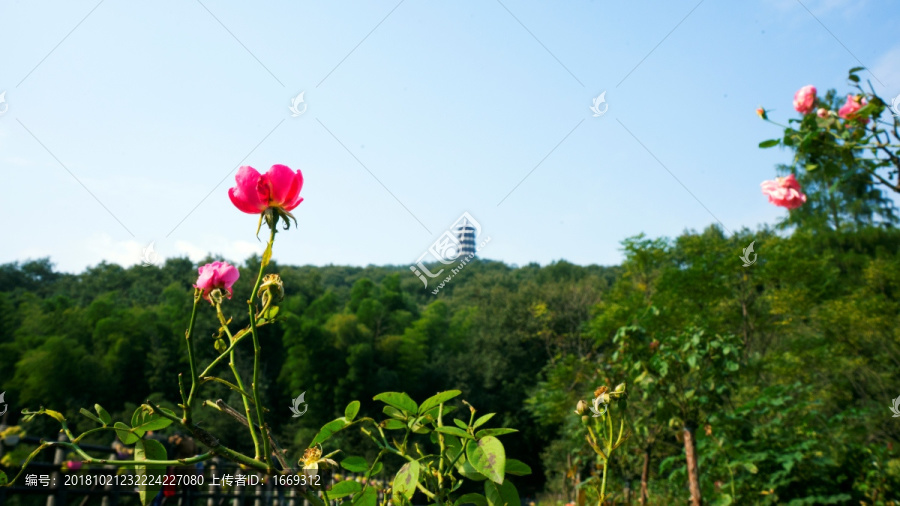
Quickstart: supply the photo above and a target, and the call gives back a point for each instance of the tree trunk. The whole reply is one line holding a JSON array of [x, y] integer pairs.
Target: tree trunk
[[645, 477], [690, 451]]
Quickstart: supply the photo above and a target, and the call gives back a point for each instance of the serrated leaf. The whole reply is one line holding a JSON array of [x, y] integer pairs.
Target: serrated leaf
[[355, 464], [476, 499], [125, 433], [102, 413], [328, 430], [494, 432], [483, 419], [437, 399], [454, 431], [344, 488], [517, 467], [351, 411], [488, 457], [149, 449], [406, 479], [398, 400]]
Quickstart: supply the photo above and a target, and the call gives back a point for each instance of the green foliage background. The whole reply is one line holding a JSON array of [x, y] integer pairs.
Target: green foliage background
[[797, 410]]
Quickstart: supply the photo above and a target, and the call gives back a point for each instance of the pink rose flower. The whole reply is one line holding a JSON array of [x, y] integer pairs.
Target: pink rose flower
[[279, 187], [784, 192], [853, 104], [822, 113], [804, 99], [217, 275]]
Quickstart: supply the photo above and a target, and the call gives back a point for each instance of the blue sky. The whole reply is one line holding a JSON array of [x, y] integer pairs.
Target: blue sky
[[123, 116]]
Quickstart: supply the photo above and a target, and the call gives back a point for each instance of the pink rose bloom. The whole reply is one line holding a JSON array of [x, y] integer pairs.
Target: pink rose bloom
[[822, 113], [804, 99], [217, 275], [784, 192], [853, 104], [279, 187]]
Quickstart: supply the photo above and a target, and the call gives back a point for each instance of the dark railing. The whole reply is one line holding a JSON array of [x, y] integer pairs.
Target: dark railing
[[84, 486]]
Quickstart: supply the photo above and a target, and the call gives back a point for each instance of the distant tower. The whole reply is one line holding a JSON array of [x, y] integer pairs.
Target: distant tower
[[465, 233]]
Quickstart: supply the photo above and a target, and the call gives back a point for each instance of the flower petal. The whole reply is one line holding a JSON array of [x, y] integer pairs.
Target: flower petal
[[245, 196], [279, 179]]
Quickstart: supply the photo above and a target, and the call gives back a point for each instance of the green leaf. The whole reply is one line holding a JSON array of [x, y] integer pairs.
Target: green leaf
[[144, 420], [90, 415], [853, 77], [125, 434], [398, 400], [393, 412], [267, 255], [344, 488], [437, 399], [355, 464], [328, 430], [501, 495], [454, 431], [461, 424], [104, 416], [488, 457], [769, 143], [406, 479], [392, 424], [493, 432], [149, 449], [351, 411], [467, 471], [811, 167], [476, 499], [483, 419], [377, 468], [271, 313], [369, 497], [856, 69], [517, 467]]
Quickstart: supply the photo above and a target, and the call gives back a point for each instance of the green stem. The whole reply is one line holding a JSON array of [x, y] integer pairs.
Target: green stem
[[609, 444], [440, 423], [239, 382], [224, 354], [256, 348], [218, 448], [190, 347]]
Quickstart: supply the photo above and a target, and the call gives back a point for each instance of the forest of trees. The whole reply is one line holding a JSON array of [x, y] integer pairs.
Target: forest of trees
[[801, 410]]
